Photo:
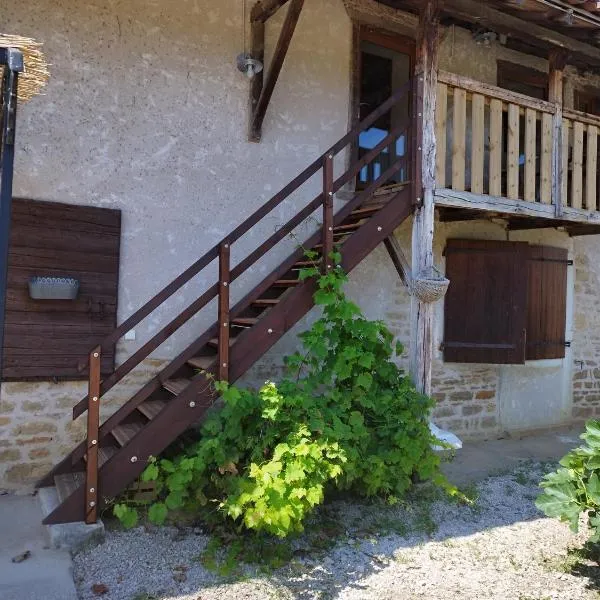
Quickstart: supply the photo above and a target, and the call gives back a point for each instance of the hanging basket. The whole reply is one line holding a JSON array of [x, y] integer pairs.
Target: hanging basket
[[430, 286], [36, 73]]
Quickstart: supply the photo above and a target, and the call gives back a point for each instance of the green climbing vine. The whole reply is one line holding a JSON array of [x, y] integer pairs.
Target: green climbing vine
[[344, 417]]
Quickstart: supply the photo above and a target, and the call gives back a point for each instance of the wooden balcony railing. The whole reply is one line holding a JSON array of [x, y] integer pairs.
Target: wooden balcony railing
[[503, 144]]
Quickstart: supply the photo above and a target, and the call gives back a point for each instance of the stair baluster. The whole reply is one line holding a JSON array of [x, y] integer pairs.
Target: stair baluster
[[327, 211], [223, 318], [93, 427]]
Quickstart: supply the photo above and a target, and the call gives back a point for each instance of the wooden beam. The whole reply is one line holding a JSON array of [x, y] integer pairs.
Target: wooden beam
[[257, 51], [399, 259], [480, 13], [283, 44], [507, 206], [424, 164], [265, 9]]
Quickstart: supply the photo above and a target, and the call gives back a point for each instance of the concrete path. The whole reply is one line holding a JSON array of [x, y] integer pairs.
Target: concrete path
[[478, 460], [47, 573]]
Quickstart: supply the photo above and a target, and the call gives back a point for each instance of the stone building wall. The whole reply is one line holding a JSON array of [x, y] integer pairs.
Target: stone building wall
[[586, 338]]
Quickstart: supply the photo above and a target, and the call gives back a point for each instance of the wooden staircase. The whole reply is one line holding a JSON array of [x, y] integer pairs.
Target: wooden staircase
[[116, 452]]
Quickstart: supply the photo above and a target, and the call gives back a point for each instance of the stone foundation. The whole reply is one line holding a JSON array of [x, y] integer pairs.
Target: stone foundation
[[36, 429]]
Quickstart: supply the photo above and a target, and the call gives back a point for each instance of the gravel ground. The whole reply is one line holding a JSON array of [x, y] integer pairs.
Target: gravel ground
[[500, 548]]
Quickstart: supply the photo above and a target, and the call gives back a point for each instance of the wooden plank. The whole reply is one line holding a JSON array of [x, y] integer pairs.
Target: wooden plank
[[477, 142], [492, 91], [283, 44], [577, 177], [546, 160], [92, 437], [223, 317], [512, 156], [496, 147], [582, 117], [530, 155], [441, 126], [557, 60], [459, 132], [591, 168], [566, 130]]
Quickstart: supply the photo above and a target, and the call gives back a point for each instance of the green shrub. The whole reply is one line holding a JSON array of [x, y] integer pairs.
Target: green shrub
[[345, 417], [575, 487]]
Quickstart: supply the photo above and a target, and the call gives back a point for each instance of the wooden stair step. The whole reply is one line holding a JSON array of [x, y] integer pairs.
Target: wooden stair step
[[346, 228], [202, 362], [266, 302], [176, 386], [244, 322], [151, 408], [215, 342], [286, 282], [366, 211], [124, 433], [104, 454], [67, 483]]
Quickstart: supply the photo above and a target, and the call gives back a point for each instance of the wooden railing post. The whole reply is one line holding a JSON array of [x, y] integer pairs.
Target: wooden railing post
[[224, 326], [557, 60], [93, 427], [327, 212]]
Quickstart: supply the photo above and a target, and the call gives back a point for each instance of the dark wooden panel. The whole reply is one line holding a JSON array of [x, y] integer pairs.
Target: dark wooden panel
[[485, 307], [47, 339], [547, 305]]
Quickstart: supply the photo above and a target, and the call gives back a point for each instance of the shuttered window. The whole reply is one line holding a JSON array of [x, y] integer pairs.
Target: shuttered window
[[506, 302], [46, 339]]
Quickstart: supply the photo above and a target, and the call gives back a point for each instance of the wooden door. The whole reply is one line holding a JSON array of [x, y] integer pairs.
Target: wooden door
[[385, 63]]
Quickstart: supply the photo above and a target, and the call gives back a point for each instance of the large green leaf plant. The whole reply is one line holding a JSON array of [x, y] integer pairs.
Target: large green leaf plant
[[345, 417], [574, 489]]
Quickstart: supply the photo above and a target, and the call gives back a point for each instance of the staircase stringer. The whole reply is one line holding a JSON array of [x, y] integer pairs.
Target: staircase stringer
[[129, 462]]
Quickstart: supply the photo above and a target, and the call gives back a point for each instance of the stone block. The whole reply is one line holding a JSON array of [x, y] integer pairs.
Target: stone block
[[461, 396], [6, 407], [10, 455], [474, 409], [29, 406], [4, 421], [34, 427], [37, 453], [26, 473], [582, 412], [33, 440], [444, 411], [485, 394]]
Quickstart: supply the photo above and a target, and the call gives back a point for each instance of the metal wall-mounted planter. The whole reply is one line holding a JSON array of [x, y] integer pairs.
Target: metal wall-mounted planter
[[53, 288]]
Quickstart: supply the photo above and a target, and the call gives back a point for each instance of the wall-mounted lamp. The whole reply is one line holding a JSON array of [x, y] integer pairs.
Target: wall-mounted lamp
[[248, 65]]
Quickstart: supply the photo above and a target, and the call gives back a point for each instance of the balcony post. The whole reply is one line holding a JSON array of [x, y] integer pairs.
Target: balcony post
[[423, 163], [557, 60]]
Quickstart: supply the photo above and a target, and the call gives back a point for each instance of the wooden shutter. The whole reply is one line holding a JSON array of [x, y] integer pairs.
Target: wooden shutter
[[45, 339], [547, 304], [486, 303]]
